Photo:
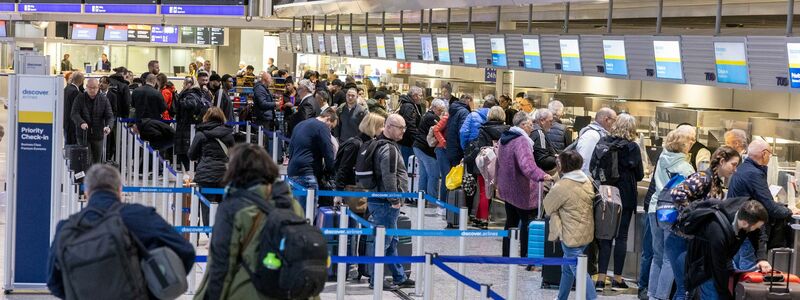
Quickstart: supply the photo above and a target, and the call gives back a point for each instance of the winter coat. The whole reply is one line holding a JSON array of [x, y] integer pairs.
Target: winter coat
[[510, 113], [488, 133], [440, 130], [458, 113], [112, 100], [168, 94], [306, 109], [224, 103], [349, 119], [207, 150], [263, 103], [469, 129], [631, 170], [339, 98], [412, 114], [346, 161], [143, 222], [148, 102], [159, 134], [392, 175], [119, 86], [669, 164], [568, 203], [187, 107], [311, 150], [517, 173], [375, 107], [71, 92], [559, 135], [429, 120], [543, 151], [95, 113], [225, 278]]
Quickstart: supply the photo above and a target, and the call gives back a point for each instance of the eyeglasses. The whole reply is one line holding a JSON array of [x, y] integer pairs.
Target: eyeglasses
[[403, 128], [769, 151]]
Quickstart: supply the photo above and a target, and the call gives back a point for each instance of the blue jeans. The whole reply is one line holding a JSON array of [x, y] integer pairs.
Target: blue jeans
[[568, 275], [429, 172], [309, 182], [383, 214], [661, 275], [647, 255], [444, 168], [708, 291], [745, 259], [675, 249], [406, 152]]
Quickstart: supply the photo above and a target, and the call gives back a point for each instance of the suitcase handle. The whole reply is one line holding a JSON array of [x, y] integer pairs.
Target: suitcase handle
[[775, 252], [540, 209]]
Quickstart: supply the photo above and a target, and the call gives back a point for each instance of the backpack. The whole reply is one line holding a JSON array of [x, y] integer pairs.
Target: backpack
[[697, 215], [98, 258], [365, 163], [293, 253], [486, 162], [666, 211], [473, 149], [604, 164]]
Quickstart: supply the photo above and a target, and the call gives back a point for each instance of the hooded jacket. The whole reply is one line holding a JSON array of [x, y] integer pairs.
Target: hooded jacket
[[392, 176], [207, 150], [375, 107], [120, 87], [149, 103], [543, 150], [188, 103], [517, 173], [669, 164], [458, 113], [429, 120], [568, 203], [412, 114], [631, 170], [473, 122]]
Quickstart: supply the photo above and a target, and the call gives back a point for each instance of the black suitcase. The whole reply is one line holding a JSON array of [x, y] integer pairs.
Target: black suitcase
[[403, 248], [78, 159], [458, 199], [551, 275]]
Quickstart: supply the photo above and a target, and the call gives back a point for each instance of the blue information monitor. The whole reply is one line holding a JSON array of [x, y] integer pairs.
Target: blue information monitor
[[49, 7], [121, 9], [203, 10], [7, 6]]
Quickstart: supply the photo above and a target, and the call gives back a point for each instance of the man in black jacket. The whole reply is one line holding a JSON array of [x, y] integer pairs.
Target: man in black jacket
[[337, 90], [306, 108], [111, 145], [148, 101], [221, 98], [119, 86], [543, 151], [263, 103], [71, 91], [709, 254], [92, 113], [411, 111]]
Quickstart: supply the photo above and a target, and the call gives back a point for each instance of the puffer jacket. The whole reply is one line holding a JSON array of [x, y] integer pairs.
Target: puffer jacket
[[568, 204], [440, 130], [188, 103], [263, 102], [412, 114], [119, 86], [225, 277], [458, 113], [429, 120], [470, 129], [207, 150], [559, 135]]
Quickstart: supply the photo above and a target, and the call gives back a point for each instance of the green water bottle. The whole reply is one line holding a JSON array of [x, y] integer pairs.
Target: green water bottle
[[271, 261]]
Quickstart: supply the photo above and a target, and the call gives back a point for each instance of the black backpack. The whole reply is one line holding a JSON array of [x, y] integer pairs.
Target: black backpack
[[473, 149], [365, 162], [98, 257], [298, 252], [697, 215], [604, 165]]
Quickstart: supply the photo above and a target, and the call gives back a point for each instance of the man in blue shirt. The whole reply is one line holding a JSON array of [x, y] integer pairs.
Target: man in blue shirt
[[311, 151]]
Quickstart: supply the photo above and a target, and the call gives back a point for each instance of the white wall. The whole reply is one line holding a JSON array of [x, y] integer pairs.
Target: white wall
[[270, 50], [251, 51]]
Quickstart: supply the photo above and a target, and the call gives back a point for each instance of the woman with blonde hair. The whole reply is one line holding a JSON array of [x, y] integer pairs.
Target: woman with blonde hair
[[622, 139], [673, 161]]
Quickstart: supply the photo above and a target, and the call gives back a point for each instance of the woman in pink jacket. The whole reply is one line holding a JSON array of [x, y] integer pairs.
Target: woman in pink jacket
[[518, 179]]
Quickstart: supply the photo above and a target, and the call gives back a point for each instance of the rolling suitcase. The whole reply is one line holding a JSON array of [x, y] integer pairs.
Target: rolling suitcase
[[78, 160], [537, 235], [328, 217], [458, 199], [772, 287], [539, 246]]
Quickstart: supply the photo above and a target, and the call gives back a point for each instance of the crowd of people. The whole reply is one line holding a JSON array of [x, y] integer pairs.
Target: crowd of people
[[343, 136]]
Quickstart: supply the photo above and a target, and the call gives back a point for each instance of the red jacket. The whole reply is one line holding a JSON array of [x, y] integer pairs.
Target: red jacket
[[168, 94]]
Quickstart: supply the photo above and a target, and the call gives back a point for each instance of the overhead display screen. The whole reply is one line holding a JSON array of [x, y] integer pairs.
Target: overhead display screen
[[731, 61], [443, 48], [614, 56], [139, 33], [363, 46], [334, 44], [794, 64], [426, 42], [321, 43], [203, 7], [499, 58], [189, 35], [531, 54], [570, 55], [348, 45], [668, 59], [309, 43], [381, 46], [139, 7], [54, 6], [117, 33], [87, 32], [164, 34], [399, 49], [7, 5], [468, 44], [202, 35]]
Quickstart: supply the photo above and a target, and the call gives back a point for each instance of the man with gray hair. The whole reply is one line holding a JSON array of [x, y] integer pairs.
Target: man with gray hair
[[750, 180], [559, 135], [73, 89], [92, 113], [543, 152], [103, 188], [411, 111], [307, 107], [590, 135], [736, 139]]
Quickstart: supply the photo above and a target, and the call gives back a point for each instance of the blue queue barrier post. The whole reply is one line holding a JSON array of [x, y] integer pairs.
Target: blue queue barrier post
[[462, 249], [513, 235], [484, 291], [428, 293], [377, 275], [580, 282], [420, 248], [341, 270]]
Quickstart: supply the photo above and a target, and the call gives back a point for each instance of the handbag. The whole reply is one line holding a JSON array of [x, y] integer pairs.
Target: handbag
[[469, 184], [431, 138], [455, 177]]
